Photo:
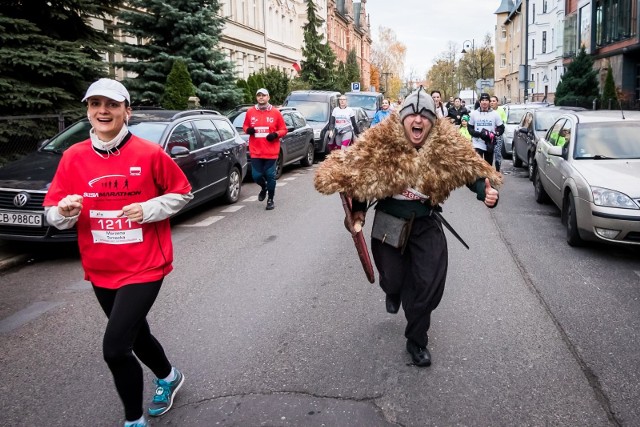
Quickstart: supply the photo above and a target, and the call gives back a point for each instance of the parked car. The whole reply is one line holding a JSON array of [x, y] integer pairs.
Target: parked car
[[203, 143], [534, 125], [588, 164], [296, 145], [370, 101], [362, 119], [316, 107], [514, 116]]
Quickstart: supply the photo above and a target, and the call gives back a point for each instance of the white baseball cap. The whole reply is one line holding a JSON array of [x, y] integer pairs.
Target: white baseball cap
[[112, 89], [262, 91]]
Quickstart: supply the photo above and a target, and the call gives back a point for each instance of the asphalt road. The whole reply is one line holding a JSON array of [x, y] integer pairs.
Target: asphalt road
[[274, 324]]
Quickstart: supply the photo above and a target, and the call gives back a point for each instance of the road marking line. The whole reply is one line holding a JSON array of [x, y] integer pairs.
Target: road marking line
[[26, 315], [204, 223], [250, 199], [281, 184], [290, 179], [234, 208]]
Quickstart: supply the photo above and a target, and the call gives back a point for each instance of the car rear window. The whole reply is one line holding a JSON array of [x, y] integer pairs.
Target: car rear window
[[514, 116], [546, 119], [614, 140]]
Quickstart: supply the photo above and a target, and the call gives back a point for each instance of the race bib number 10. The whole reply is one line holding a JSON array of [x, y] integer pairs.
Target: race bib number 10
[[107, 227]]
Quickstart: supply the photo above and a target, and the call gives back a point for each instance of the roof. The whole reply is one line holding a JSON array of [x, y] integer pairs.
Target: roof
[[364, 93], [590, 116], [505, 7], [166, 115]]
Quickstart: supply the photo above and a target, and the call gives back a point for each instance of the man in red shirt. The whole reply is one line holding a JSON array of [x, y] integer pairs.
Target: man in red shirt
[[265, 126]]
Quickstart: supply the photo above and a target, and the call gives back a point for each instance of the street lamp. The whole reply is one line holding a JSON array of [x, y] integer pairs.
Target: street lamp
[[473, 52]]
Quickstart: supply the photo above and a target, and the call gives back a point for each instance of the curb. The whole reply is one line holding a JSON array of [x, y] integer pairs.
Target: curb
[[13, 261]]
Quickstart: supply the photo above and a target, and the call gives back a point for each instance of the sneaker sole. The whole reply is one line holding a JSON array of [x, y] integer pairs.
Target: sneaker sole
[[170, 402]]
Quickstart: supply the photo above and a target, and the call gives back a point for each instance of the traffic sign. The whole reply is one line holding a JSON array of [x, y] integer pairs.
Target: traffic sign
[[355, 87]]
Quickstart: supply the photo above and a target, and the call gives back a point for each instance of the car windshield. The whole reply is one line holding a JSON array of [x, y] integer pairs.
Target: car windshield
[[614, 140], [312, 111], [545, 119], [73, 134], [148, 130], [80, 131], [515, 116], [366, 102]]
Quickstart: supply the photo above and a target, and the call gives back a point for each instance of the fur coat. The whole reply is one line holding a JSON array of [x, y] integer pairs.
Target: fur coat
[[383, 163]]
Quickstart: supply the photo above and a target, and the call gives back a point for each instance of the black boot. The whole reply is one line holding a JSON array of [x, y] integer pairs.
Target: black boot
[[270, 204], [392, 303], [420, 355]]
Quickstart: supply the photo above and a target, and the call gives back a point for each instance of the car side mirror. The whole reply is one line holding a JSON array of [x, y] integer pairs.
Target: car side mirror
[[555, 151], [179, 151]]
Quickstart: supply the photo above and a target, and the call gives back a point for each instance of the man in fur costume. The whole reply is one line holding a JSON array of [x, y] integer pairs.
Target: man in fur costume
[[410, 163]]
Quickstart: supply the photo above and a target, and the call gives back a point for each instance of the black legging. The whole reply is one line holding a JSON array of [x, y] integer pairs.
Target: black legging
[[486, 155], [128, 332]]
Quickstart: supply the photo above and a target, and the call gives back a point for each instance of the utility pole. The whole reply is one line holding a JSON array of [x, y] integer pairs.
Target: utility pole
[[525, 4]]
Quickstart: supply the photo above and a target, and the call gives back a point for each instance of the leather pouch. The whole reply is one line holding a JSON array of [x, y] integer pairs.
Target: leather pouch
[[391, 230]]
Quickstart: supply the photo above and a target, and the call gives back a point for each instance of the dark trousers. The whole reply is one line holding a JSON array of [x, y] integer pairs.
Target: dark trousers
[[418, 275], [486, 155], [128, 332], [263, 172]]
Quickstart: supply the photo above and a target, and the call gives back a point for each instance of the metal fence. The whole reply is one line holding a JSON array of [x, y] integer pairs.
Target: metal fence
[[20, 135]]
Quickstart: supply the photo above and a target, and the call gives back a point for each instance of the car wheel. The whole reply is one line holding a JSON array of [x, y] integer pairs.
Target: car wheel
[[505, 155], [531, 167], [517, 163], [279, 166], [234, 185], [573, 236], [310, 157], [541, 195]]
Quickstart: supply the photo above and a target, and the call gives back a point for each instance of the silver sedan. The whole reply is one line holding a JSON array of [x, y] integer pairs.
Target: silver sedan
[[588, 164]]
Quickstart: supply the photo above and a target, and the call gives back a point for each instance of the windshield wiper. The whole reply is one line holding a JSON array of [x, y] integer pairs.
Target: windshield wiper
[[600, 157]]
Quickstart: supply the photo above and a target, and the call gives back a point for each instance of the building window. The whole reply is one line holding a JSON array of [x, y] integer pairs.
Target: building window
[[533, 48], [544, 6], [544, 42], [615, 20], [503, 60], [533, 13], [504, 32]]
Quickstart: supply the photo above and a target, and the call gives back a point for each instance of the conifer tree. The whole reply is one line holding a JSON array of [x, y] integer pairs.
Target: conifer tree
[[318, 67], [579, 84], [178, 29], [609, 95], [49, 54], [178, 88], [352, 68]]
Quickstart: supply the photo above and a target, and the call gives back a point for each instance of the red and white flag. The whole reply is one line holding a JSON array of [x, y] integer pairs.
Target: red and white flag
[[296, 66]]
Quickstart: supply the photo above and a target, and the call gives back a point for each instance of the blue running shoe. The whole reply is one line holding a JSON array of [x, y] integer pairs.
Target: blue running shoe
[[137, 424], [165, 392]]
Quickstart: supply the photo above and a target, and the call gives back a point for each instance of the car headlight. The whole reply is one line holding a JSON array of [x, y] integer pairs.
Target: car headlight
[[316, 133], [612, 199]]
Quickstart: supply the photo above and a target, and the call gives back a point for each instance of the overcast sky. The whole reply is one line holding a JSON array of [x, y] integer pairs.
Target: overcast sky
[[426, 27]]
